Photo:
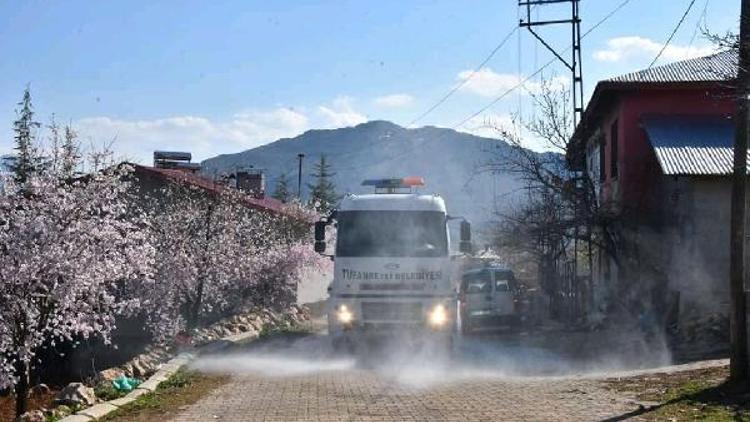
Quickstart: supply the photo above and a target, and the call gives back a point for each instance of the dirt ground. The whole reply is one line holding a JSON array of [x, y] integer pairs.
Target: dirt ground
[[8, 404]]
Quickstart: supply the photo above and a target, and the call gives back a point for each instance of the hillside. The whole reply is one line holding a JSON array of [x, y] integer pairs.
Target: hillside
[[450, 162]]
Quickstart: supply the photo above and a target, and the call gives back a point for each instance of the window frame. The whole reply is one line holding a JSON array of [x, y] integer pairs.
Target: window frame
[[614, 149]]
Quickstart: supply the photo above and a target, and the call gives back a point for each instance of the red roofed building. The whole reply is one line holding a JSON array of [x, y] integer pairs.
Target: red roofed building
[[151, 179]]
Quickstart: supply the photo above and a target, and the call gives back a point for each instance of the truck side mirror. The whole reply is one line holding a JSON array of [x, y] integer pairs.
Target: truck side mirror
[[320, 236], [465, 231], [465, 245]]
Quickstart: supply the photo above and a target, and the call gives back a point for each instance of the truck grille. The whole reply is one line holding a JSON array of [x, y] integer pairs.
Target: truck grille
[[391, 286], [387, 311]]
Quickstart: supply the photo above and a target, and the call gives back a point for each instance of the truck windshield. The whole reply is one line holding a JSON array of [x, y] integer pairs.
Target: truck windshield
[[391, 234]]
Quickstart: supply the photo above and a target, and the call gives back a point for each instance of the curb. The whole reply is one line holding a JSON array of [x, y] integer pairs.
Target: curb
[[102, 409]]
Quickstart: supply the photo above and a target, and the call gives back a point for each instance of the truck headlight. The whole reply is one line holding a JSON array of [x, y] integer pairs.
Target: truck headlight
[[438, 316], [344, 315]]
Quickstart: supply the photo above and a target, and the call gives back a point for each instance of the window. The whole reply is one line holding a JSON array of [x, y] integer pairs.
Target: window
[[478, 282], [391, 234], [503, 281], [602, 162], [613, 159]]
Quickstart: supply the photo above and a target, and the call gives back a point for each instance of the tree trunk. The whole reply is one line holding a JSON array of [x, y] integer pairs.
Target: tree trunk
[[22, 387], [194, 309], [198, 303]]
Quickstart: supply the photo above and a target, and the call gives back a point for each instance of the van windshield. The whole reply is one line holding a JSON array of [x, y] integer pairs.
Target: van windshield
[[477, 282], [391, 234]]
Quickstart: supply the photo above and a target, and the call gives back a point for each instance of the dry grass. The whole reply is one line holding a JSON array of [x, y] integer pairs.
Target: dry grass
[[701, 394], [182, 389]]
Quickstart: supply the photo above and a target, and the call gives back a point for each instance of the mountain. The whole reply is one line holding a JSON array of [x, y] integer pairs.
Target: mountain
[[6, 164], [449, 161]]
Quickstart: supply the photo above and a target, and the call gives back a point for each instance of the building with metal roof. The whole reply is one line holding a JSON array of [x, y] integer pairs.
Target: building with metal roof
[[657, 144], [713, 73], [717, 67]]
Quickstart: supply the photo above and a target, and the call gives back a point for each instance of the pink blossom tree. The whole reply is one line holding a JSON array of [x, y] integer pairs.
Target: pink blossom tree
[[278, 271], [194, 234], [215, 254], [66, 247]]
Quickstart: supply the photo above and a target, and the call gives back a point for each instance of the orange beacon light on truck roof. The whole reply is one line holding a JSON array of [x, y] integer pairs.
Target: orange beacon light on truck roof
[[395, 183], [413, 181]]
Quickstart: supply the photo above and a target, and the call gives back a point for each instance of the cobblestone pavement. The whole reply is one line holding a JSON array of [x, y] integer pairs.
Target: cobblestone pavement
[[360, 395], [299, 380], [496, 376]]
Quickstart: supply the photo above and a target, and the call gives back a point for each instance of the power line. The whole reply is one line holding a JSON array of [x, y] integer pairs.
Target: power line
[[606, 18], [519, 85], [541, 69], [676, 28], [453, 90], [504, 94], [701, 19]]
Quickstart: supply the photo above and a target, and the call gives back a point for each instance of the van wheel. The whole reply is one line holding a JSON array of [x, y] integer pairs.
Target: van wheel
[[465, 327], [341, 344]]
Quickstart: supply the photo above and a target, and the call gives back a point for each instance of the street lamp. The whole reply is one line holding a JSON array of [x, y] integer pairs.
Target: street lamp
[[299, 177]]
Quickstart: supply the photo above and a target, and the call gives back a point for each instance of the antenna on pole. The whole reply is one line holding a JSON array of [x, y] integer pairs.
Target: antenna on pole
[[574, 63]]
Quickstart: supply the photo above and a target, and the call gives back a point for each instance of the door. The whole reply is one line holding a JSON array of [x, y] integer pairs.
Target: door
[[503, 296], [476, 289]]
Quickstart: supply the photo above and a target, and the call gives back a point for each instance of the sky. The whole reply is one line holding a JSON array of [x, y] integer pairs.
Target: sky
[[225, 76]]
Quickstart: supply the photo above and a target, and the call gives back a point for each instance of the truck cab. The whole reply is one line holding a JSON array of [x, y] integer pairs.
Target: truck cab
[[392, 266]]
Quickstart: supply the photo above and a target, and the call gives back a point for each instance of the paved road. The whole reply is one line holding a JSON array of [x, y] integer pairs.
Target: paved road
[[358, 395], [488, 378]]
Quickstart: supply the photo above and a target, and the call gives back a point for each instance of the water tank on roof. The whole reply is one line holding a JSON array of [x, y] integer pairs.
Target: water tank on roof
[[175, 160], [251, 181], [172, 155]]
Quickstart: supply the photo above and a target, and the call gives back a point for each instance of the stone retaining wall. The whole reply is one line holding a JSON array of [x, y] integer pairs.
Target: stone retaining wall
[[160, 361]]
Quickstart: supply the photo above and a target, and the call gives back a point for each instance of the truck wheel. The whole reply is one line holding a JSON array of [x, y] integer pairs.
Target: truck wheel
[[451, 346], [339, 344], [515, 323]]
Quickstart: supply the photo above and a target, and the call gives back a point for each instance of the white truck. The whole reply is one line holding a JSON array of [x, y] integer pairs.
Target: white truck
[[392, 264]]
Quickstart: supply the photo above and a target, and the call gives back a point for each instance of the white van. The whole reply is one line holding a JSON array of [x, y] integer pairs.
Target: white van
[[488, 297]]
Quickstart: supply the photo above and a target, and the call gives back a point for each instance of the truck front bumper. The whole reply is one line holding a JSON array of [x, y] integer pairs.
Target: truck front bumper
[[386, 316]]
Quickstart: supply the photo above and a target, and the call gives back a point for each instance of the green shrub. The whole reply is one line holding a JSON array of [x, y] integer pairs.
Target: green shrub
[[180, 379], [106, 391]]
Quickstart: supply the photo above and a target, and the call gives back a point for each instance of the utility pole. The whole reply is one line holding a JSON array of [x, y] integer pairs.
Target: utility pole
[[299, 176], [574, 64], [738, 359]]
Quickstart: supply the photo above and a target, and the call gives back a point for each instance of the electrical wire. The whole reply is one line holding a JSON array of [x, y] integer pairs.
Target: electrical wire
[[521, 84], [453, 90], [701, 18], [504, 94], [541, 69], [674, 31], [606, 18]]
